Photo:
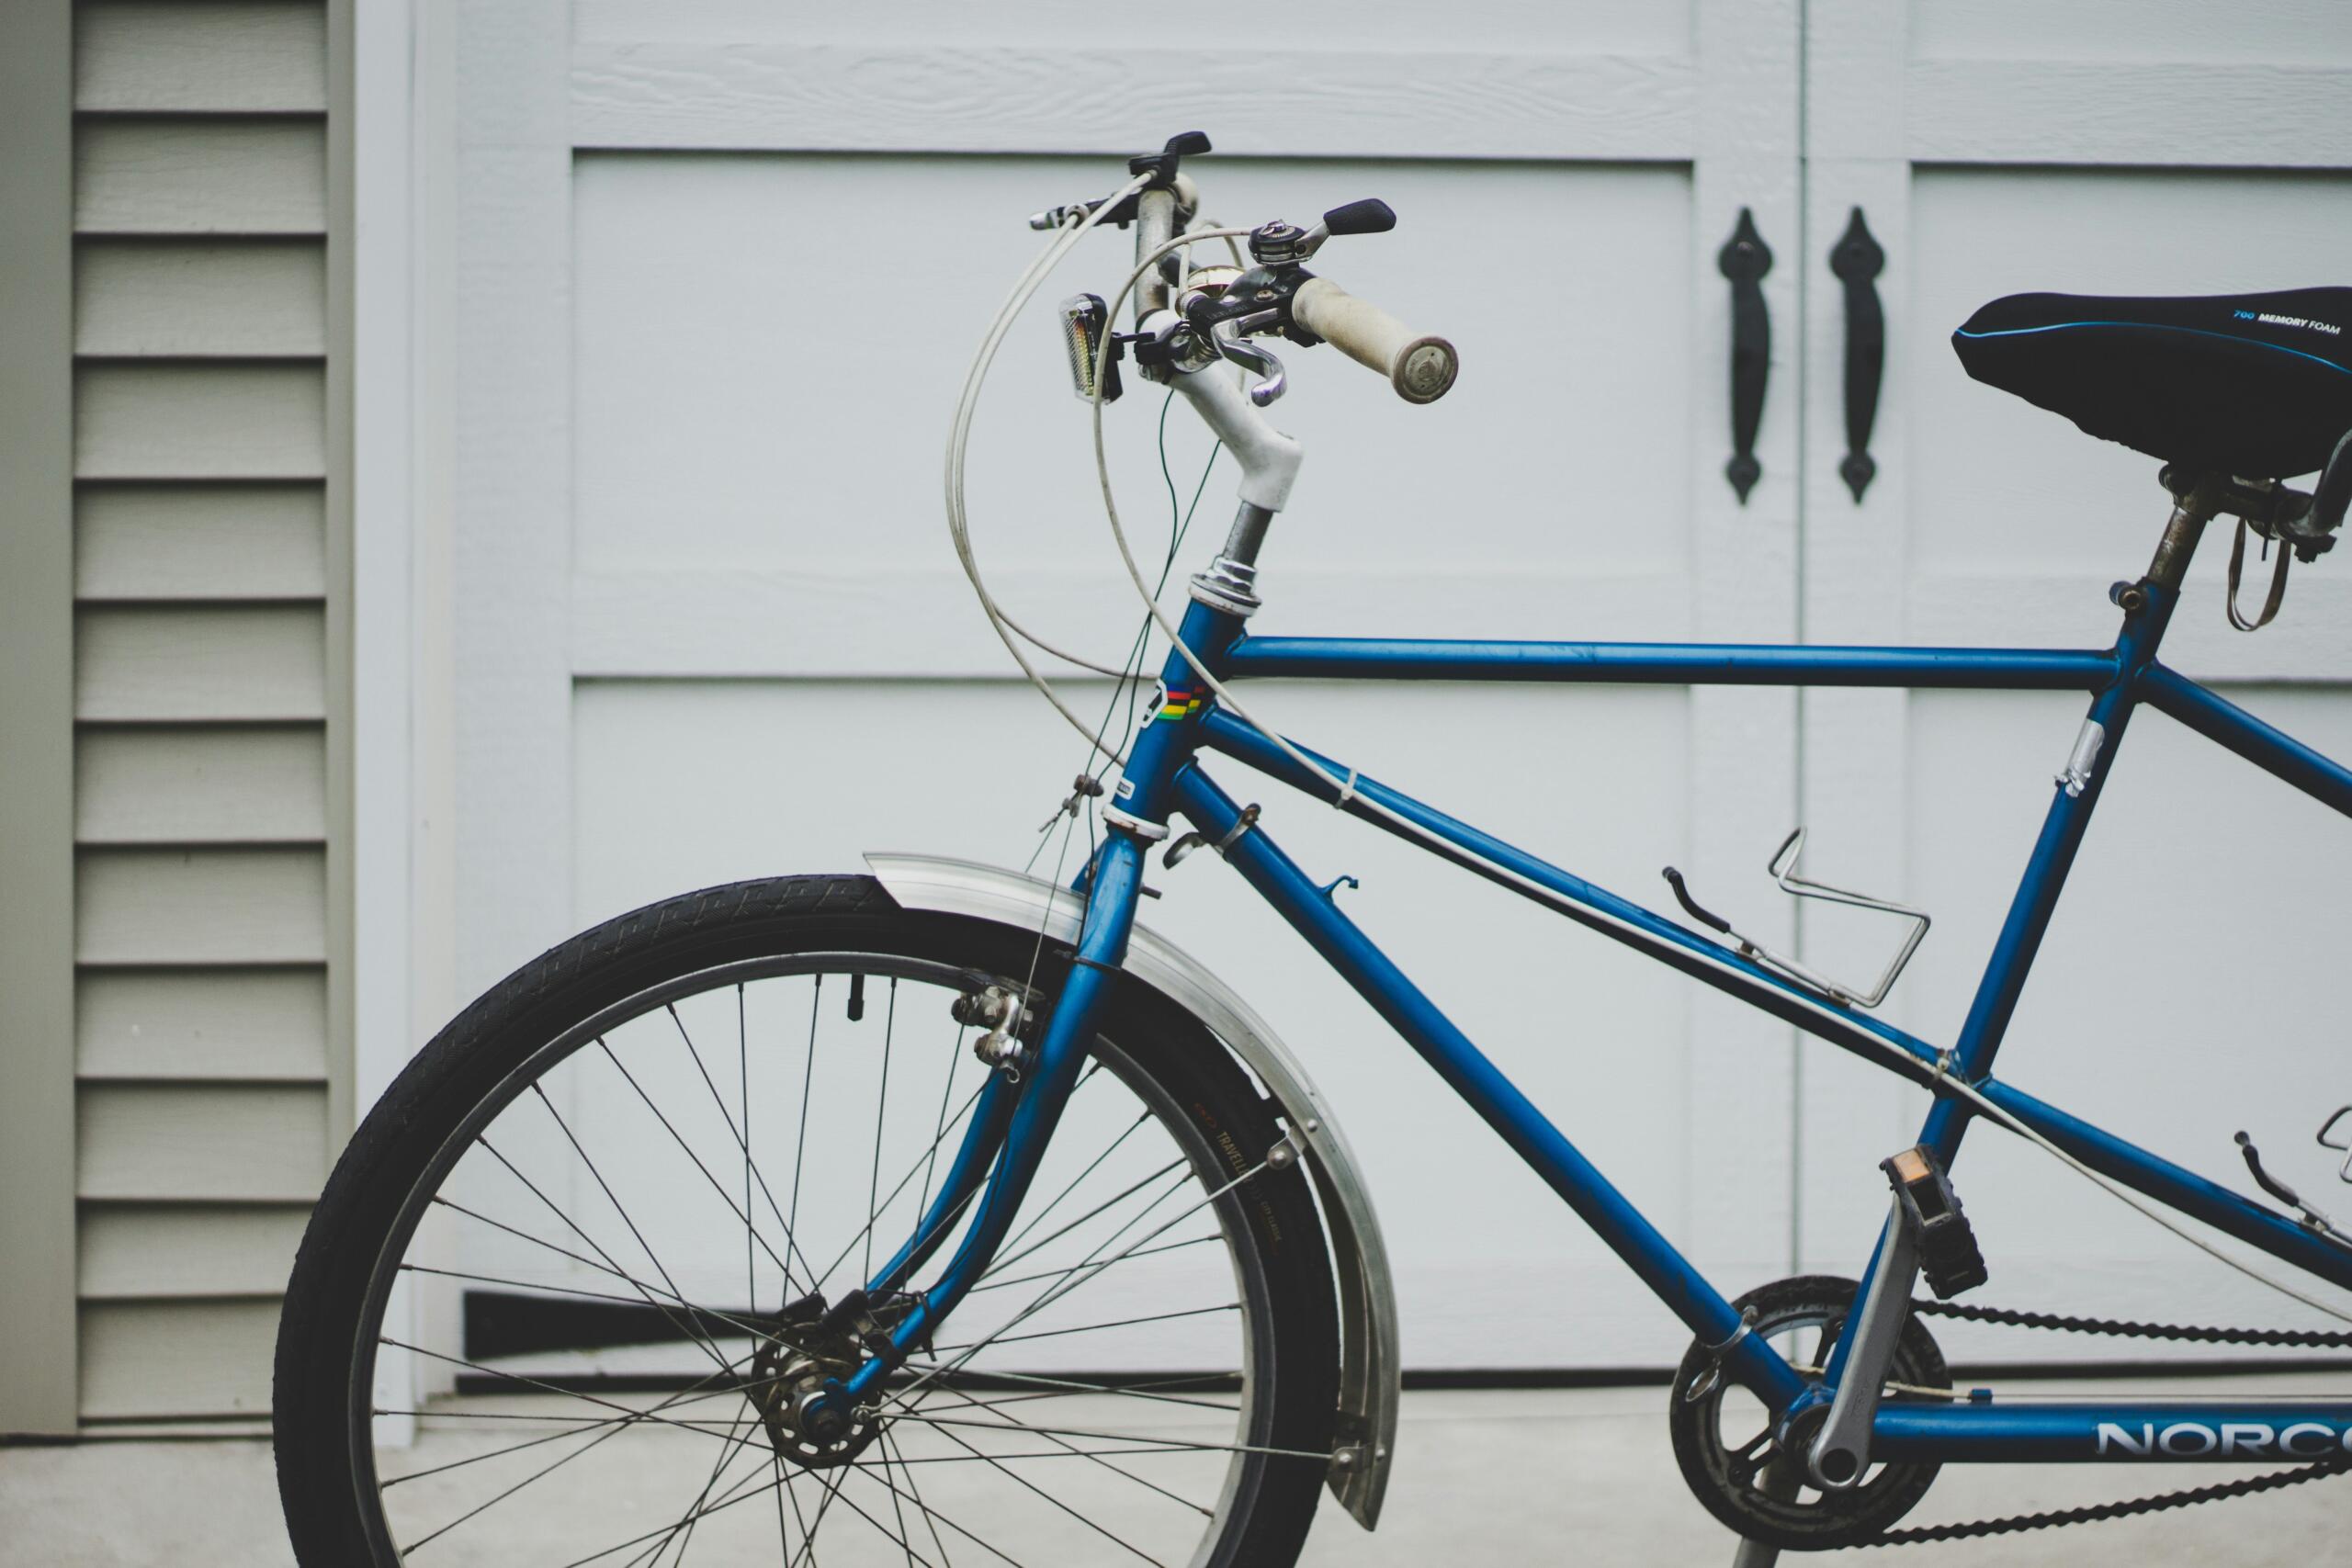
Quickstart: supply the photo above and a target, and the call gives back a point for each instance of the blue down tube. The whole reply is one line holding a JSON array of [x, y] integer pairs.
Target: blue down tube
[[1487, 1089]]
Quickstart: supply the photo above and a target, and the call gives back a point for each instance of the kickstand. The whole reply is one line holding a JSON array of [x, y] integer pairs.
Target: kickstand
[[1779, 1482]]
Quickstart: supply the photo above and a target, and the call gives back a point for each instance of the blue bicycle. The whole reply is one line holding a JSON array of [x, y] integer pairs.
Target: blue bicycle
[[944, 1214]]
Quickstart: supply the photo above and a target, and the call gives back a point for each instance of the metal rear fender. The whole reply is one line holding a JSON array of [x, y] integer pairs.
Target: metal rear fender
[[1368, 1362]]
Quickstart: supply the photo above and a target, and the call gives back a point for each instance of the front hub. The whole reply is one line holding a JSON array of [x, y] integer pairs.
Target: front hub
[[813, 1427]]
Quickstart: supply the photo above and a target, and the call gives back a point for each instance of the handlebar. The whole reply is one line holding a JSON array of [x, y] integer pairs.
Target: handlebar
[[1420, 367], [1276, 294]]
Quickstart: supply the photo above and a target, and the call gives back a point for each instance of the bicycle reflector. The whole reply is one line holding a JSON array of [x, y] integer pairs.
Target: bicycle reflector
[[1086, 326]]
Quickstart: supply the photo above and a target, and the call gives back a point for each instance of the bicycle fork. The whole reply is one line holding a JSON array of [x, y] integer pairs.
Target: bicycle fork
[[1006, 1140]]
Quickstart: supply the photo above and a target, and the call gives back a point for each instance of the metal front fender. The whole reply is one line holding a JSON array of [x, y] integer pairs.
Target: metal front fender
[[1368, 1361]]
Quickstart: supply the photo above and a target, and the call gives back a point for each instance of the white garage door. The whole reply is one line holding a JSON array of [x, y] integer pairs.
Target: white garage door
[[2186, 989], [719, 272]]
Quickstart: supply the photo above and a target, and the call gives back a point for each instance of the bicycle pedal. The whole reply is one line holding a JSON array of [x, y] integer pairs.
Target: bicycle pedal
[[1949, 1257]]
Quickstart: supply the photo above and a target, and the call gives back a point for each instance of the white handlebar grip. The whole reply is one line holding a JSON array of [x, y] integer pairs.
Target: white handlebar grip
[[1420, 366]]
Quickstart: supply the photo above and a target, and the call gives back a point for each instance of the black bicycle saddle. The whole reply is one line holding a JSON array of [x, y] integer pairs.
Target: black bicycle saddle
[[2254, 385]]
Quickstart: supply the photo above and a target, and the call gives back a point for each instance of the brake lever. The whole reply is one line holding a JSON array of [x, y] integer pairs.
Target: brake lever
[[1270, 383], [1221, 322]]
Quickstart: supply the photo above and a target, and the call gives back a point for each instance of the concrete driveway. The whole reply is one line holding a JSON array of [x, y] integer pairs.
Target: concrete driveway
[[1581, 1477]]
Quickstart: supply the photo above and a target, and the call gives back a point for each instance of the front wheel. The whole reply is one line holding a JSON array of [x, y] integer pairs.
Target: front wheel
[[540, 1313]]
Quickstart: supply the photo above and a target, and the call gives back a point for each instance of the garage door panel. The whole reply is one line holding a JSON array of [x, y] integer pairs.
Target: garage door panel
[[746, 404]]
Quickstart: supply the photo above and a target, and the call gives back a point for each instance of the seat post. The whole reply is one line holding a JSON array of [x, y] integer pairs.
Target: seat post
[[2191, 510]]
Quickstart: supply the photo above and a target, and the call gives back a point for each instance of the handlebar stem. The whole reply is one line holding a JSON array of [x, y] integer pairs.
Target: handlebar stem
[[1269, 459], [1248, 532]]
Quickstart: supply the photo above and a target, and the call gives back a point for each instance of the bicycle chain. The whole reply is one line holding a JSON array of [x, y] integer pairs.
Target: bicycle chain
[[1921, 1535], [2301, 1338], [2100, 1512]]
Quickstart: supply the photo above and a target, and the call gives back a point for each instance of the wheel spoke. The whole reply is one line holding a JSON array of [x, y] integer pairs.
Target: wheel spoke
[[744, 1212], [987, 1547], [687, 1329], [939, 1132], [783, 1490], [924, 1206], [742, 1137], [619, 1208], [1070, 1447], [1171, 1443], [898, 1512], [807, 1084], [986, 1284], [593, 1442], [784, 1493], [646, 1292], [1115, 1198], [534, 1383], [1095, 1526], [1048, 1297], [619, 1425], [744, 1089], [728, 1499], [881, 1105], [890, 1449], [570, 1423], [898, 1535], [1012, 1253], [831, 1489], [569, 1431], [684, 1530], [1129, 1447], [1093, 1327], [522, 1284], [1065, 1388]]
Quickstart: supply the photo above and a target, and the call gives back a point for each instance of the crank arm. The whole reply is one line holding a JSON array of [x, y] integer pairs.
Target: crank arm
[[1841, 1452]]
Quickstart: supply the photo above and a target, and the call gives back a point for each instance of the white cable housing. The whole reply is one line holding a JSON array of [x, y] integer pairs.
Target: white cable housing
[[960, 439]]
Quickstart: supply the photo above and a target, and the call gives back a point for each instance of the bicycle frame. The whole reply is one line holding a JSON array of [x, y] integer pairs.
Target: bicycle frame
[[1164, 777]]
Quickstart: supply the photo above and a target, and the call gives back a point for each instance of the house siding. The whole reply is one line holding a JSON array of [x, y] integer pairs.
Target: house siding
[[209, 688]]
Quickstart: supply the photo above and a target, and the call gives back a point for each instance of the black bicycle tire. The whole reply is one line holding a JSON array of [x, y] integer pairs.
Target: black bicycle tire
[[327, 1302]]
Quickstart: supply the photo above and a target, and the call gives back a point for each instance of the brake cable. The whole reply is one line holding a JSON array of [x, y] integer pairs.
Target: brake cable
[[960, 439]]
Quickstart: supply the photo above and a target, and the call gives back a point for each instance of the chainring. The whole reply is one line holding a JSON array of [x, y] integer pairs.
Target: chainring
[[1746, 1483]]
